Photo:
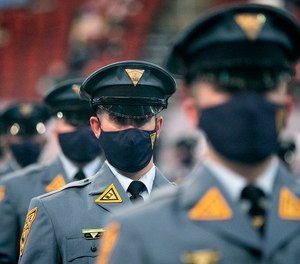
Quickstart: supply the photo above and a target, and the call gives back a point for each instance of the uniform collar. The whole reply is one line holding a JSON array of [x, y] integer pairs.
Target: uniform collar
[[89, 169], [104, 178], [234, 183], [147, 179]]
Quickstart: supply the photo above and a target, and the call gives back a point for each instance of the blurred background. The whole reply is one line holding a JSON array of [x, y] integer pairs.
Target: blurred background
[[46, 41]]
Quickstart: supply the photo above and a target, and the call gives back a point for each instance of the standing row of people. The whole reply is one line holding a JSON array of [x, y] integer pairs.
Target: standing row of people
[[240, 204], [70, 130]]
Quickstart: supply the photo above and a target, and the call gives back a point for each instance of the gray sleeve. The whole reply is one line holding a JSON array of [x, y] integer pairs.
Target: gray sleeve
[[127, 246], [9, 242], [38, 243]]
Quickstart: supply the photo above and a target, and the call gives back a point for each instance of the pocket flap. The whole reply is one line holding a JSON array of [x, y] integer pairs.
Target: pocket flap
[[80, 247]]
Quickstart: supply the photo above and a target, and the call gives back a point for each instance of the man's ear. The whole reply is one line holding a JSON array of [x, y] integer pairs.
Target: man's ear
[[189, 105], [191, 111], [55, 131], [159, 124], [95, 126]]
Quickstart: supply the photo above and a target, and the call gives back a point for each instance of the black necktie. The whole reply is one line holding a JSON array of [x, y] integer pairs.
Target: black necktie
[[135, 189], [79, 175], [257, 206]]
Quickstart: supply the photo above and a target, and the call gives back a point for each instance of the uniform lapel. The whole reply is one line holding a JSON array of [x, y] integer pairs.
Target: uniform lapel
[[103, 182], [284, 217], [236, 227], [159, 180]]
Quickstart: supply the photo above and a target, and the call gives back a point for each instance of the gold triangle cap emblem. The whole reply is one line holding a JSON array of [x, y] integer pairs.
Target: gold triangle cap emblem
[[110, 195], [26, 109], [212, 206], [57, 183], [76, 88], [289, 205], [251, 24], [135, 75]]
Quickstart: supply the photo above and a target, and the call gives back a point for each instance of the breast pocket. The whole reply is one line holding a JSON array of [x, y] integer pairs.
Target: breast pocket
[[81, 250]]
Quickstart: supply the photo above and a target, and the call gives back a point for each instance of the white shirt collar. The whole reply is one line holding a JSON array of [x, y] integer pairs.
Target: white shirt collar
[[234, 183], [147, 179], [89, 169]]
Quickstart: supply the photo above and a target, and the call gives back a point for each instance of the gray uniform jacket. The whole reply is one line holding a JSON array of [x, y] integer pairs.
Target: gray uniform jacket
[[19, 188], [9, 167], [68, 223], [199, 223]]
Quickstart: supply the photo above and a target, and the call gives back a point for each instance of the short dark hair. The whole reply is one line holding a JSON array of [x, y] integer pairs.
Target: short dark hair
[[239, 80], [138, 122]]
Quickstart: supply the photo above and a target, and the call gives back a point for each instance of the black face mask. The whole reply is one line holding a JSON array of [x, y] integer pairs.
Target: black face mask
[[26, 153], [244, 129], [128, 150], [80, 146]]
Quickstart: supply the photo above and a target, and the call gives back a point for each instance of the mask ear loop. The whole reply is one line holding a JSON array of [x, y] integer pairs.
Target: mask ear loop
[[155, 139]]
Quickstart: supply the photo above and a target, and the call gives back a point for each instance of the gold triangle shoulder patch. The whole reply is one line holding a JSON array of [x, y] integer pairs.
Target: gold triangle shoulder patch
[[110, 195], [289, 205], [135, 75], [110, 239], [2, 193], [57, 183], [251, 24], [30, 217], [212, 206]]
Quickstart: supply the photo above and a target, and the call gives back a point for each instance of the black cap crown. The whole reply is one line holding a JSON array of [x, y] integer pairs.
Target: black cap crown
[[64, 102], [24, 119], [244, 35], [132, 89]]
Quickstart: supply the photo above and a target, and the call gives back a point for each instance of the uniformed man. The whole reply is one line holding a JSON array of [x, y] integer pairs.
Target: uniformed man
[[242, 205], [24, 134], [65, 226], [79, 157], [2, 149]]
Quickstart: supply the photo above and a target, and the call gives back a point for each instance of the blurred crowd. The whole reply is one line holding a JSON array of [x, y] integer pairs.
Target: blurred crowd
[[98, 33], [115, 146]]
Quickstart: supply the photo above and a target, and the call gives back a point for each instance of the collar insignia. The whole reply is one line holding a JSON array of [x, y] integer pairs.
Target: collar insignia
[[110, 195], [212, 206], [57, 183], [153, 137], [93, 233], [202, 257], [251, 24], [135, 75], [281, 116], [289, 205]]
